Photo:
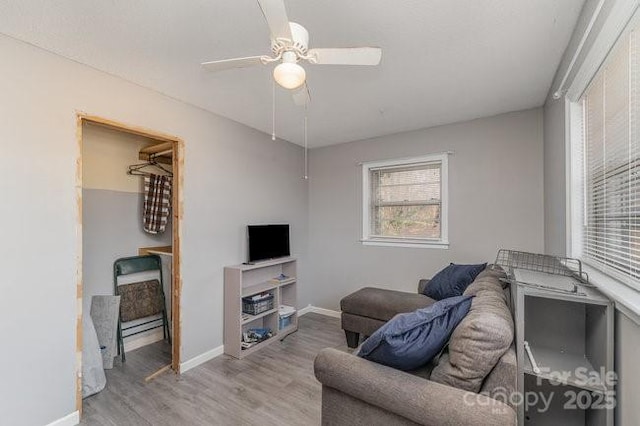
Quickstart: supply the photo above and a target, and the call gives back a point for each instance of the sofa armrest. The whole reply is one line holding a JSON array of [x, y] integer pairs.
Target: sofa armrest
[[422, 285], [419, 400]]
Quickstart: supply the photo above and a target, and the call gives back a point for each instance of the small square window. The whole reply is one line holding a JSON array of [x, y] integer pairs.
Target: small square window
[[405, 202]]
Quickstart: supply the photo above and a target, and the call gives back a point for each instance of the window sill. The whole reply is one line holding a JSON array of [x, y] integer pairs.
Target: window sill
[[442, 245], [627, 299]]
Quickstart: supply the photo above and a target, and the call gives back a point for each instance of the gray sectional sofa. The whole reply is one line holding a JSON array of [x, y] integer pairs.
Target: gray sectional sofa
[[471, 383]]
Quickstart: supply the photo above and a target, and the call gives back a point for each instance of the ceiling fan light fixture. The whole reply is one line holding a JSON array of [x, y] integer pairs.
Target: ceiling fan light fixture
[[289, 75]]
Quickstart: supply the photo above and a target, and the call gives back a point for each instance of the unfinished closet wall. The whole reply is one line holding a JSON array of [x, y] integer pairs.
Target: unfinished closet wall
[[112, 213]]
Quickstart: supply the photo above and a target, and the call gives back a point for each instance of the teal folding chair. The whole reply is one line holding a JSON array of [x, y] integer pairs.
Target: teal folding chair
[[141, 299]]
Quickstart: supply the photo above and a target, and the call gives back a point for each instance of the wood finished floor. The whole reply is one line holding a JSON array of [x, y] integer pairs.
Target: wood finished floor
[[274, 386]]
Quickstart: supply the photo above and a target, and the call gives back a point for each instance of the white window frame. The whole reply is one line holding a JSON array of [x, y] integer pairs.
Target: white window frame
[[440, 243], [575, 174], [626, 297]]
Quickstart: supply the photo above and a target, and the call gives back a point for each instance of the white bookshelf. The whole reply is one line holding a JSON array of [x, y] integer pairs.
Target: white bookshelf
[[248, 280]]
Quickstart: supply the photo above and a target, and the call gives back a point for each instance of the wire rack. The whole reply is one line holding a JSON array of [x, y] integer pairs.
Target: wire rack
[[511, 260]]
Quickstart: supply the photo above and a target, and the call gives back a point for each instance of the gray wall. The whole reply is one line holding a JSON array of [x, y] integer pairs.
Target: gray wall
[[555, 231], [555, 224], [233, 175], [112, 209], [628, 369], [627, 342], [495, 187], [112, 228]]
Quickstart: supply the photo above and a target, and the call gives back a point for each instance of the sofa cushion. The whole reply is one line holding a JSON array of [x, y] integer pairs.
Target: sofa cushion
[[452, 280], [501, 383], [382, 304], [410, 340], [494, 271], [480, 339]]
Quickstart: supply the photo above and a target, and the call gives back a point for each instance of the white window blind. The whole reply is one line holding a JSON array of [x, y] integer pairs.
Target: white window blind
[[611, 164], [405, 201]]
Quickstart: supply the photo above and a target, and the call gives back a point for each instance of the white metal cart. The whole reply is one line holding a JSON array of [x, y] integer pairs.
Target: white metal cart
[[564, 341]]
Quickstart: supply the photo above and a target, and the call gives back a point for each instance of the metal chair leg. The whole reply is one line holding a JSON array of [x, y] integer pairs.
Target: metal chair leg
[[165, 327], [121, 342]]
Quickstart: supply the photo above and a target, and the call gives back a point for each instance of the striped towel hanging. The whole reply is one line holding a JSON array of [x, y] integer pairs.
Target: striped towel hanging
[[157, 202]]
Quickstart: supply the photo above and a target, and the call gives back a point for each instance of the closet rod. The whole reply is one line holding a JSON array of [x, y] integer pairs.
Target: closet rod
[[161, 153], [152, 149]]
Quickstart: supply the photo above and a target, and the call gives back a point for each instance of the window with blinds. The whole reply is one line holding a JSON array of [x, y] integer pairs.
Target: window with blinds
[[404, 201], [611, 165]]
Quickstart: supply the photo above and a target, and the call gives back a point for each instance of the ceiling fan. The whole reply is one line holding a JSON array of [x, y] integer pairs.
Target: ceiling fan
[[290, 45]]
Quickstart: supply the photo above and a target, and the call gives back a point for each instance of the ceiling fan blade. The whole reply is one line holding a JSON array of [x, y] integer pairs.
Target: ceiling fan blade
[[301, 96], [226, 64], [347, 56], [276, 16]]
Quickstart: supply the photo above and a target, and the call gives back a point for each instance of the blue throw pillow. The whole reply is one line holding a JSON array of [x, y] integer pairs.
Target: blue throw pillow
[[409, 341], [452, 280]]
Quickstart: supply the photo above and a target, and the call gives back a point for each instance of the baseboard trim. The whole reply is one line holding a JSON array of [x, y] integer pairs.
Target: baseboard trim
[[304, 310], [136, 342], [69, 420], [215, 352], [201, 359], [317, 310]]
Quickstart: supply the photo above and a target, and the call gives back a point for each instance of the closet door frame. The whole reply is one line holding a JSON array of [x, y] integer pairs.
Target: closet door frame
[[177, 215]]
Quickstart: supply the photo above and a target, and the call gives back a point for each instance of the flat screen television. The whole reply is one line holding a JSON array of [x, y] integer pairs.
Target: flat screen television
[[268, 242]]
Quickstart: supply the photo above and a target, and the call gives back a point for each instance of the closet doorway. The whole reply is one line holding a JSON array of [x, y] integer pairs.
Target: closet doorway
[[117, 164]]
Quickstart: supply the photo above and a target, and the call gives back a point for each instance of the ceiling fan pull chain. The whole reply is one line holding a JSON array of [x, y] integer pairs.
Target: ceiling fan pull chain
[[306, 145], [273, 111]]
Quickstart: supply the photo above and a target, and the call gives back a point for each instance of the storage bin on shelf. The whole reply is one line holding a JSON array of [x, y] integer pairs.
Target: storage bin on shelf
[[257, 304], [285, 316]]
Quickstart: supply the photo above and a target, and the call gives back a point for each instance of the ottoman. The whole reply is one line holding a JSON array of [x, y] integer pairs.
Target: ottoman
[[365, 310]]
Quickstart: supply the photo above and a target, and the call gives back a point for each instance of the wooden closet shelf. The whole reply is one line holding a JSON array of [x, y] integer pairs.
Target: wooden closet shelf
[[162, 153]]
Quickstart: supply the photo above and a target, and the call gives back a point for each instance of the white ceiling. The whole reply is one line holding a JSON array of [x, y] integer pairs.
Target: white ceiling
[[443, 60]]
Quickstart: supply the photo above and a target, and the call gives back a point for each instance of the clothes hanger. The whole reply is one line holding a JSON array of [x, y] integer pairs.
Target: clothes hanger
[[136, 169]]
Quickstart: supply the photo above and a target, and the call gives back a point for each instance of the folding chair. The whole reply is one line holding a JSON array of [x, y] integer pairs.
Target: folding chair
[[141, 299]]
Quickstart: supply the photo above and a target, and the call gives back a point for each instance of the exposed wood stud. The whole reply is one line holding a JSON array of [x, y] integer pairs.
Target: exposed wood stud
[[79, 287], [136, 130], [157, 373], [177, 212]]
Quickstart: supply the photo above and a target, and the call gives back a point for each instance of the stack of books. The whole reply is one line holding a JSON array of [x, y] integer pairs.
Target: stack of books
[[253, 336]]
